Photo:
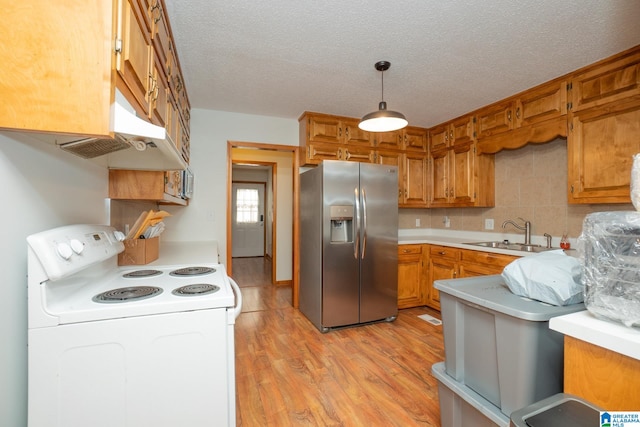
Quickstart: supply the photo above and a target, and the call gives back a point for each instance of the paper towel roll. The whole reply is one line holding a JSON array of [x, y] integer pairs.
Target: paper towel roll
[[635, 182]]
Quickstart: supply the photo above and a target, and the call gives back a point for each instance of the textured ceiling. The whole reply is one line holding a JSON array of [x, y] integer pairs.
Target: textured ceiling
[[280, 58]]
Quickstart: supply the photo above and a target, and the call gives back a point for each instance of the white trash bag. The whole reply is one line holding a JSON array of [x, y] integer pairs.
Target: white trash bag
[[552, 277]]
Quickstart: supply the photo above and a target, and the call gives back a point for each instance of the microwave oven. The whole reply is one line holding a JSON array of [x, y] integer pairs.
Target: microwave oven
[[187, 184]]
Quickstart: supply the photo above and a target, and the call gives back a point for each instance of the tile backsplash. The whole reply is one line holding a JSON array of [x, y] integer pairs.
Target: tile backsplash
[[531, 183]]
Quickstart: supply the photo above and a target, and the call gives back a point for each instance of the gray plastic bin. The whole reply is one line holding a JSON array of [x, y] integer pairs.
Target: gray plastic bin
[[499, 344], [559, 410], [462, 407]]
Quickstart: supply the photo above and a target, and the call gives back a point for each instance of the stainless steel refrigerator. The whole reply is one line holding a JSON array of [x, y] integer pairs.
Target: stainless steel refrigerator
[[348, 244]]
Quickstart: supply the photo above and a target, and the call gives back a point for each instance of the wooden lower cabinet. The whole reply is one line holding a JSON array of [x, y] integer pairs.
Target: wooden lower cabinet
[[451, 263], [477, 263], [411, 275], [603, 377], [443, 264], [419, 265]]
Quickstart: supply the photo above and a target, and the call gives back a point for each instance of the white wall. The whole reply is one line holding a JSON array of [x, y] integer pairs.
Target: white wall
[[42, 188], [205, 218]]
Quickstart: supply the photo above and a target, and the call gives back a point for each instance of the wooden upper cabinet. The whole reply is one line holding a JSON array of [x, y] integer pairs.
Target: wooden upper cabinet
[[58, 67], [353, 134], [394, 158], [463, 130], [414, 139], [607, 81], [601, 145], [159, 186], [410, 138], [134, 61], [415, 169], [334, 129], [439, 137], [453, 177], [496, 119], [456, 132], [387, 140], [604, 129], [542, 103], [458, 177]]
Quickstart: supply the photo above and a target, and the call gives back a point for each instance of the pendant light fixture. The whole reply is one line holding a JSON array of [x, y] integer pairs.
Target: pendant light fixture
[[383, 120]]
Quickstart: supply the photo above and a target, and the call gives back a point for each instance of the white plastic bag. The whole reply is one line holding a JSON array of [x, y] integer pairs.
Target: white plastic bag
[[552, 277]]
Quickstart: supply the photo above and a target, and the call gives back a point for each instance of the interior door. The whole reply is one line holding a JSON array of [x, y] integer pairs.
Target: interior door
[[247, 223]]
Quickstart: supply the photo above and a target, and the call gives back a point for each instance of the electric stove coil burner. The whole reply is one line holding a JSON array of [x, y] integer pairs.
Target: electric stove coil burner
[[130, 293], [192, 271], [141, 273], [196, 289]]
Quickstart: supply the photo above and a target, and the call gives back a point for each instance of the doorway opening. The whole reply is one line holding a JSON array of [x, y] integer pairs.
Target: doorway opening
[[263, 228]]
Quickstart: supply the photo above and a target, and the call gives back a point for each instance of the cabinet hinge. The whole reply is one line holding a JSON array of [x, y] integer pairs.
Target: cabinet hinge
[[474, 149], [474, 120], [569, 86], [569, 105], [570, 127], [118, 46]]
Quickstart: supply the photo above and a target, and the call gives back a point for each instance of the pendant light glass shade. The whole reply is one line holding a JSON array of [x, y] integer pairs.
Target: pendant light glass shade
[[383, 120]]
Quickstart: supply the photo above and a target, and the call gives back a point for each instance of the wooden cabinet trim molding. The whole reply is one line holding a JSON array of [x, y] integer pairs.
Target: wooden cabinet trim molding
[[538, 133]]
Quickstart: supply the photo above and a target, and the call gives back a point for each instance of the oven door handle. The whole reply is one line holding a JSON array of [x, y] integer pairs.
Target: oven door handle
[[236, 290]]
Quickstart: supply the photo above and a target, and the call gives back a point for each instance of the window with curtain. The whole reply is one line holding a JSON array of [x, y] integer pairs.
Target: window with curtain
[[246, 205]]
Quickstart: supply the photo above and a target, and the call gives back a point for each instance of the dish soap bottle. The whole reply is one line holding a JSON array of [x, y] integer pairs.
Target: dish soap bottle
[[564, 242]]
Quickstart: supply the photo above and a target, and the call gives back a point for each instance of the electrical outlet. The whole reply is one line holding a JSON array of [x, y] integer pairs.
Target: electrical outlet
[[446, 221], [488, 224], [417, 222]]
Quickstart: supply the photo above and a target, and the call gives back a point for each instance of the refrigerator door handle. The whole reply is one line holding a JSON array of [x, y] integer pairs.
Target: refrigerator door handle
[[364, 222], [356, 240]]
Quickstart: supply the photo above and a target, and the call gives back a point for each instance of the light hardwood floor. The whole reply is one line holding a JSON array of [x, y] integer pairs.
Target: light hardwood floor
[[290, 374]]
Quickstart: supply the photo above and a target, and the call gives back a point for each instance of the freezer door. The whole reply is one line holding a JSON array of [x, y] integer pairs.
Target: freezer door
[[379, 263], [340, 262]]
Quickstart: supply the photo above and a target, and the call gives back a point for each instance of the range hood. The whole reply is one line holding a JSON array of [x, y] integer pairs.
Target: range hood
[[136, 143]]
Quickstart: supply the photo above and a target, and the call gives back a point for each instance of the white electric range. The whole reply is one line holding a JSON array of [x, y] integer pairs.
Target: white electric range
[[130, 346]]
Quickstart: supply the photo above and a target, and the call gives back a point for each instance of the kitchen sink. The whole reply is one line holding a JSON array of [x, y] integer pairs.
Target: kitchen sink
[[505, 244]]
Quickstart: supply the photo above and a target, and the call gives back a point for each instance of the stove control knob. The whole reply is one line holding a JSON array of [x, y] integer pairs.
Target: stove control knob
[[64, 250], [119, 235], [77, 246]]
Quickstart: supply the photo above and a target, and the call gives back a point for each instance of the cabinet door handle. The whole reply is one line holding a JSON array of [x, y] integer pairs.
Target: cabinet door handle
[[509, 115], [442, 253], [518, 113], [455, 274]]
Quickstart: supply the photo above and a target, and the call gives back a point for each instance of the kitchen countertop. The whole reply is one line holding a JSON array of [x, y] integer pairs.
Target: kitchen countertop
[[601, 332], [460, 239]]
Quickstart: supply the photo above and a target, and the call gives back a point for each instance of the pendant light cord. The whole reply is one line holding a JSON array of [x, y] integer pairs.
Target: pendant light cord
[[382, 85]]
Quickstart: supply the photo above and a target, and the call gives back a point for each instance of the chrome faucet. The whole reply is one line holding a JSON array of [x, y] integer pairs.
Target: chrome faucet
[[526, 228]]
